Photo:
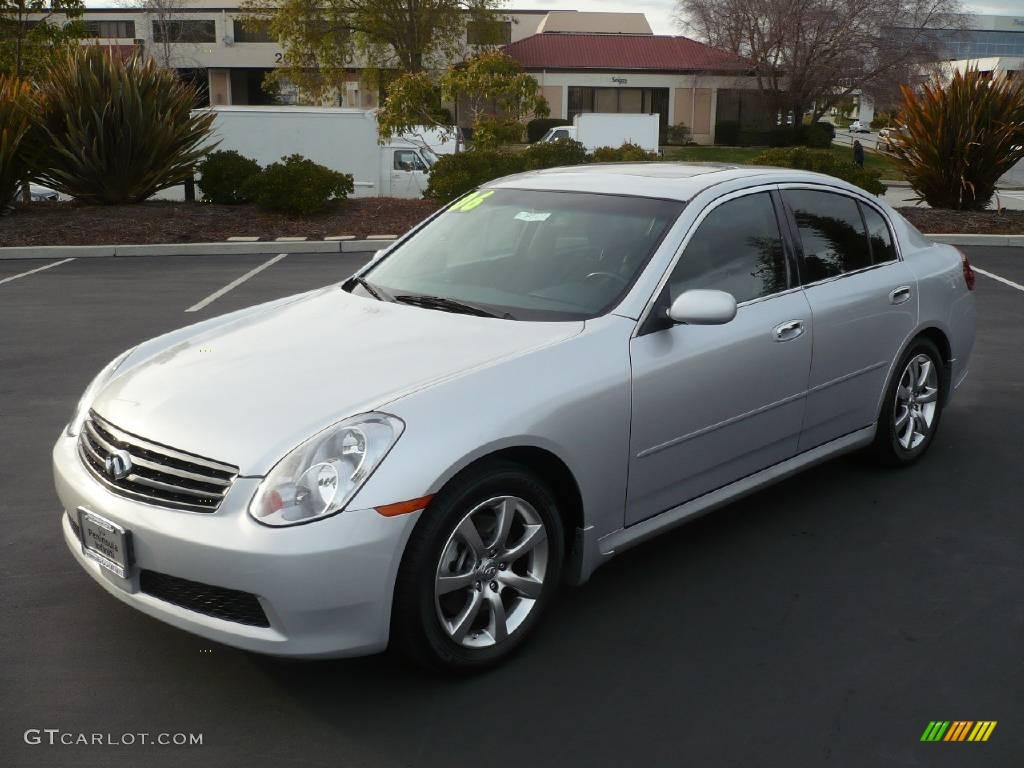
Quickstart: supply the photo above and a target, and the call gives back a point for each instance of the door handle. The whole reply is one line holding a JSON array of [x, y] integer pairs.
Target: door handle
[[788, 330], [900, 295]]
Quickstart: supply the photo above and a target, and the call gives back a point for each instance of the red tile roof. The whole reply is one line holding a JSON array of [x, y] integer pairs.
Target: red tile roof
[[620, 52]]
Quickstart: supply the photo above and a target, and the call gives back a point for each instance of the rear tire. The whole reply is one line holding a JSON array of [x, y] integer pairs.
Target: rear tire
[[912, 407], [479, 570]]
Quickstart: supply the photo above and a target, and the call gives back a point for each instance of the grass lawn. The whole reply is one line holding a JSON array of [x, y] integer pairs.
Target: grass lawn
[[873, 161]]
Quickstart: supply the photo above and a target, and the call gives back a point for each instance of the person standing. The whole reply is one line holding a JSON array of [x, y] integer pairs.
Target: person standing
[[858, 153]]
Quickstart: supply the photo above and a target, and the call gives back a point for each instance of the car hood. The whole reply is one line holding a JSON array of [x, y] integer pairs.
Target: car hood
[[250, 389]]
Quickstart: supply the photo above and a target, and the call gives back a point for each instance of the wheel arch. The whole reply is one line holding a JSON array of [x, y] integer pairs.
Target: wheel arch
[[549, 466], [940, 339]]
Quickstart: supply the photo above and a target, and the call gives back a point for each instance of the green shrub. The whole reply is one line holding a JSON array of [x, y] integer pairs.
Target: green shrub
[[224, 175], [297, 185], [828, 127], [118, 130], [817, 135], [551, 154], [678, 135], [16, 109], [536, 128], [880, 120], [727, 133], [493, 132], [627, 153], [454, 175], [822, 162], [958, 138]]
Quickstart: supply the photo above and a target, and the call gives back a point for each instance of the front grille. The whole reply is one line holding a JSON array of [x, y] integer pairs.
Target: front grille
[[219, 602], [158, 475]]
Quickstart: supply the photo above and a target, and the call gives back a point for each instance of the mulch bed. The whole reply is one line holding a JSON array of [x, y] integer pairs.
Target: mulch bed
[[54, 223], [939, 221], [170, 222]]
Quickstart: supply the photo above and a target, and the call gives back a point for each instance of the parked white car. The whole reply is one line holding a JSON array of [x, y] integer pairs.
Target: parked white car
[[858, 127]]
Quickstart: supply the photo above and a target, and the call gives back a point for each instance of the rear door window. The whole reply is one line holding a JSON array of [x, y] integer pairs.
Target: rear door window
[[831, 233], [879, 236]]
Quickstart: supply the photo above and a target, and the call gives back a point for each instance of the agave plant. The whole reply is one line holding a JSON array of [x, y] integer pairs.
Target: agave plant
[[118, 130], [15, 138], [958, 139]]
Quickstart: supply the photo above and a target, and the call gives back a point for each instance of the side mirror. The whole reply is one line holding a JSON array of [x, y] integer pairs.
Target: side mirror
[[703, 307]]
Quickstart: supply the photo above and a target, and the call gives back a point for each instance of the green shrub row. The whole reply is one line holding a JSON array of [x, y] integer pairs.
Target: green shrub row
[[815, 135], [822, 162], [294, 185], [454, 175]]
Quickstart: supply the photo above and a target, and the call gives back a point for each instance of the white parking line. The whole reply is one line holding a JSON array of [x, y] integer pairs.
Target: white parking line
[[1002, 280], [37, 269], [235, 283]]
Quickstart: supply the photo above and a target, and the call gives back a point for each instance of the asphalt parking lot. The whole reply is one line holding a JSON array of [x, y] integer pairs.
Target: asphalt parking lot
[[824, 621]]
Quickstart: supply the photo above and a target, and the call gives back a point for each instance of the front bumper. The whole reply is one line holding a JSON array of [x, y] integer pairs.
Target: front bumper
[[325, 587]]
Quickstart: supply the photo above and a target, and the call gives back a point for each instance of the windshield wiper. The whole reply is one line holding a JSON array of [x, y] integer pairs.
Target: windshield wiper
[[370, 288], [448, 305]]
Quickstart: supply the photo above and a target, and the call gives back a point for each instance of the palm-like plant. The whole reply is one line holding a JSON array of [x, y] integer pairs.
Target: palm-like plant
[[15, 133], [960, 138], [118, 130]]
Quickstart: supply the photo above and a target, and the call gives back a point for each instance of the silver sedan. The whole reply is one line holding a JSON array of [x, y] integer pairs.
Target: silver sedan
[[554, 368]]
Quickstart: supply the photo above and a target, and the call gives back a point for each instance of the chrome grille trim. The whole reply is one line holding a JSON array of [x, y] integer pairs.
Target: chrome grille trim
[[161, 476]]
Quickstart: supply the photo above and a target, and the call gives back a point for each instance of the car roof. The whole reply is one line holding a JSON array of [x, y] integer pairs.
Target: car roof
[[667, 180]]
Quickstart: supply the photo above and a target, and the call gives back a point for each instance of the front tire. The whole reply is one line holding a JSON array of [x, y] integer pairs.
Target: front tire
[[913, 406], [479, 570]]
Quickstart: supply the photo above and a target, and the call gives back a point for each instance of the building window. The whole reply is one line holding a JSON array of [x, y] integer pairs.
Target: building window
[[105, 30], [581, 100], [254, 32], [185, 31], [489, 32], [645, 101]]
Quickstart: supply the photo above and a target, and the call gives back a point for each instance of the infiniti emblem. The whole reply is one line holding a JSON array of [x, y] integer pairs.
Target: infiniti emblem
[[118, 465]]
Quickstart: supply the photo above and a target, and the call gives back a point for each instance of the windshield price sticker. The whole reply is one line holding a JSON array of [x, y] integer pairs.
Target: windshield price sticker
[[471, 201], [530, 216]]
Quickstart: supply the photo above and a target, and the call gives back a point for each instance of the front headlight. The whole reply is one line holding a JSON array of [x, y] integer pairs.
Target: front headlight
[[322, 475], [98, 383]]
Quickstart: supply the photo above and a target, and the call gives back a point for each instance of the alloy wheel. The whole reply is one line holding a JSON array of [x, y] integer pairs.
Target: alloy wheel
[[917, 396], [491, 572]]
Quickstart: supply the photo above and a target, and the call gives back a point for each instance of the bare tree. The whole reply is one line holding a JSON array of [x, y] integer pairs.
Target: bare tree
[[810, 54], [164, 19]]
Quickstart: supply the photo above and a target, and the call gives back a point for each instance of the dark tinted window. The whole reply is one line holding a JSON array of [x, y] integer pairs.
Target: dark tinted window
[[831, 232], [882, 249], [737, 249], [253, 32], [187, 31], [110, 29]]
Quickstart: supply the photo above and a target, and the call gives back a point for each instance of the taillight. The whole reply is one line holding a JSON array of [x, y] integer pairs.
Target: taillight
[[968, 272]]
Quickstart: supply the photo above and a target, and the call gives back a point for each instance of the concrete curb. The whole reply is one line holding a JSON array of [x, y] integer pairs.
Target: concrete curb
[[906, 185], [1003, 241], [56, 251], [226, 248]]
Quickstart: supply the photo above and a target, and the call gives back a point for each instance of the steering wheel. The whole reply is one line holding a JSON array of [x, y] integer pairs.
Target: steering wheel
[[618, 278]]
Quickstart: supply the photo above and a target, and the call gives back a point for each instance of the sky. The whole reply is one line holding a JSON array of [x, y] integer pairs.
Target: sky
[[659, 12]]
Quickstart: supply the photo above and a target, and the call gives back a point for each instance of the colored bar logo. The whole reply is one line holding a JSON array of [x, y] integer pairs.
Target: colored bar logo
[[958, 730]]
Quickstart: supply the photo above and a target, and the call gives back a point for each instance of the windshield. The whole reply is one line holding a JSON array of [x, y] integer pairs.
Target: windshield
[[528, 255]]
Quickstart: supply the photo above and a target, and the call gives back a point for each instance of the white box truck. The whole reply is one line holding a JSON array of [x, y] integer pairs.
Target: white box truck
[[609, 129], [342, 139]]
